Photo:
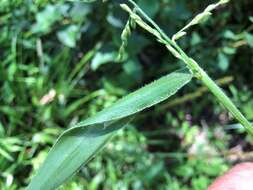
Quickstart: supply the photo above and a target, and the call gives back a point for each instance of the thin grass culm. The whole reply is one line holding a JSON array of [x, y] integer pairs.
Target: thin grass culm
[[77, 145]]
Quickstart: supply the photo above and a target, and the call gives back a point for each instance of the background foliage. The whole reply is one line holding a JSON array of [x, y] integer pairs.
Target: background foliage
[[58, 67]]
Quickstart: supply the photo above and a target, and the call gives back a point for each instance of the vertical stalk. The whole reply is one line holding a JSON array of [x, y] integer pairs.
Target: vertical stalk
[[225, 101], [200, 74]]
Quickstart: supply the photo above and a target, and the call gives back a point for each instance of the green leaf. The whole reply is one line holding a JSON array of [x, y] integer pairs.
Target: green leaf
[[251, 18], [46, 18], [223, 61], [79, 144], [69, 36], [5, 154], [102, 58], [249, 39]]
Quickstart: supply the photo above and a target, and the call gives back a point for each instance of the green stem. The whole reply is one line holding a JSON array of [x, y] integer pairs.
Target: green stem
[[200, 74], [225, 100]]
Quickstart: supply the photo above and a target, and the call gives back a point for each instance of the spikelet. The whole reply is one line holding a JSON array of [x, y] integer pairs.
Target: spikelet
[[126, 33]]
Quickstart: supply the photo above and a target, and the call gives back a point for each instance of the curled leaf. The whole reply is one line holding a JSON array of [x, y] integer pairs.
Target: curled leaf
[[80, 143]]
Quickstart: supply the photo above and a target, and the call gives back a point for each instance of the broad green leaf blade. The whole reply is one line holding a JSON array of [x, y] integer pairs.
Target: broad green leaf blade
[[79, 144]]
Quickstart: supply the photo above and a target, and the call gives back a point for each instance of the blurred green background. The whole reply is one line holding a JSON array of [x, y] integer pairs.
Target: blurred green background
[[57, 67]]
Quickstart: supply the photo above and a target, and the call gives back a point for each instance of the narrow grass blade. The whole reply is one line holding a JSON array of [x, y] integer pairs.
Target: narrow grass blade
[[79, 144]]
